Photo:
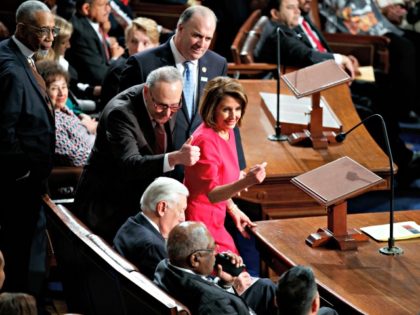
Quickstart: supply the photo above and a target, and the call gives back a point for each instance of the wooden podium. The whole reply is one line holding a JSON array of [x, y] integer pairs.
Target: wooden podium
[[311, 81], [331, 185]]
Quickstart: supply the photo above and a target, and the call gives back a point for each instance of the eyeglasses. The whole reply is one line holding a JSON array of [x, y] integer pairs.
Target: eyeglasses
[[208, 250], [162, 107], [44, 31]]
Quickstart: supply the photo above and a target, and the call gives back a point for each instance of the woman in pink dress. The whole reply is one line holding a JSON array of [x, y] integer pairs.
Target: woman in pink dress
[[216, 177]]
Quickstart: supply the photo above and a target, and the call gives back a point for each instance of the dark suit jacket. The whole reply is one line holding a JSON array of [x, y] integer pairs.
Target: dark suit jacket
[[86, 53], [111, 81], [121, 165], [210, 66], [27, 139], [293, 51], [27, 129], [305, 39], [200, 296], [139, 242]]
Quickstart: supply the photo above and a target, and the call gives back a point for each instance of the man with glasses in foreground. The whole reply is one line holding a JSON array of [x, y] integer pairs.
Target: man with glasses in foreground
[[185, 276], [27, 138], [133, 146]]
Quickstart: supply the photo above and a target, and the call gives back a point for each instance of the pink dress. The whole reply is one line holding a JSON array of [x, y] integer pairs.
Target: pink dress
[[218, 165]]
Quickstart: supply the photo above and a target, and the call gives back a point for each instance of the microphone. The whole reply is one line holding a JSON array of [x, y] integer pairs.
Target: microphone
[[278, 136], [391, 249]]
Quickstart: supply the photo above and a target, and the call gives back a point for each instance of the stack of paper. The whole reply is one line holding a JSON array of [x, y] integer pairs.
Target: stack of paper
[[402, 231]]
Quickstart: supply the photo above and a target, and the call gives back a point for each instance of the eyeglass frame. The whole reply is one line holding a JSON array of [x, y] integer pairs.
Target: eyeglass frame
[[162, 107], [43, 30], [208, 250]]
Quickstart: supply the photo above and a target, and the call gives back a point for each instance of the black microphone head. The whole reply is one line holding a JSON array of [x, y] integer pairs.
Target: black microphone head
[[340, 137]]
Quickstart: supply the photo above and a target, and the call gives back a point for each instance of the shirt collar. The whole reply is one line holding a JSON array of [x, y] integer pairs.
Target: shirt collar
[[179, 59], [28, 53], [96, 27], [183, 269], [151, 222]]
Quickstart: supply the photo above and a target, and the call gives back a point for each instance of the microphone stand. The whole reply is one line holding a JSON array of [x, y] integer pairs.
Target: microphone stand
[[391, 249], [278, 136]]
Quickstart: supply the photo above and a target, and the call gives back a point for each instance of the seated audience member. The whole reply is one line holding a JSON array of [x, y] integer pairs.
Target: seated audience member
[[285, 14], [141, 239], [60, 46], [297, 293], [74, 136], [133, 146], [90, 52], [365, 18], [17, 304], [140, 35], [216, 177], [185, 276]]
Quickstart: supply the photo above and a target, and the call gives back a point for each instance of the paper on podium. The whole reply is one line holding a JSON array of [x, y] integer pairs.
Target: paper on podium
[[315, 78], [295, 112], [336, 181], [402, 231]]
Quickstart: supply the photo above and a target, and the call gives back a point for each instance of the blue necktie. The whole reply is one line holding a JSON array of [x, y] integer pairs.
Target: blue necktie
[[189, 88]]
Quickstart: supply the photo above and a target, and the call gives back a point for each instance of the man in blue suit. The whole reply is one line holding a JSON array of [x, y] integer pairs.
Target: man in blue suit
[[27, 137], [190, 43]]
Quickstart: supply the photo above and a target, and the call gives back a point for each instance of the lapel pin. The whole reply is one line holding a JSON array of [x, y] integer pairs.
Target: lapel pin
[[204, 69]]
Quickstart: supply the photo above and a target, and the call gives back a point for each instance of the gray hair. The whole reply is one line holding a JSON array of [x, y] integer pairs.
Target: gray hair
[[25, 13], [167, 74], [162, 189], [184, 239], [195, 9]]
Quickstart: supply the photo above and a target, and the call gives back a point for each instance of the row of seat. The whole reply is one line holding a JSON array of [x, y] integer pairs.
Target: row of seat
[[96, 279]]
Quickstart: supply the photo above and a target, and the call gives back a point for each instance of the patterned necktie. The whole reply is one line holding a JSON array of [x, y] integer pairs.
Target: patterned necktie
[[189, 88], [313, 36], [160, 135], [41, 84]]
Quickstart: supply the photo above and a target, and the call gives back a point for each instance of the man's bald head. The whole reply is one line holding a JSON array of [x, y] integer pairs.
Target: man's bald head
[[185, 239]]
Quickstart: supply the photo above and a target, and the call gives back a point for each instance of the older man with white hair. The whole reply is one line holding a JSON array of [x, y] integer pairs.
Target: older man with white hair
[[142, 238]]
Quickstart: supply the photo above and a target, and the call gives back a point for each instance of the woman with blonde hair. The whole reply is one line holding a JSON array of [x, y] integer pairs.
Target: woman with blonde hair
[[140, 35]]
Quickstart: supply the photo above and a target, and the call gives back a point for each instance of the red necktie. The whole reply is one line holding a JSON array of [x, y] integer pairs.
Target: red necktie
[[313, 36], [160, 135], [104, 44]]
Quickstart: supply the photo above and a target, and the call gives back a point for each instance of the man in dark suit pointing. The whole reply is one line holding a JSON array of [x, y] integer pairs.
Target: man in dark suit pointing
[[188, 51]]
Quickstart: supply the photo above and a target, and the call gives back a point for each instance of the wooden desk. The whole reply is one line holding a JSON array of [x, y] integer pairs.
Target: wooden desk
[[361, 281], [276, 195]]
